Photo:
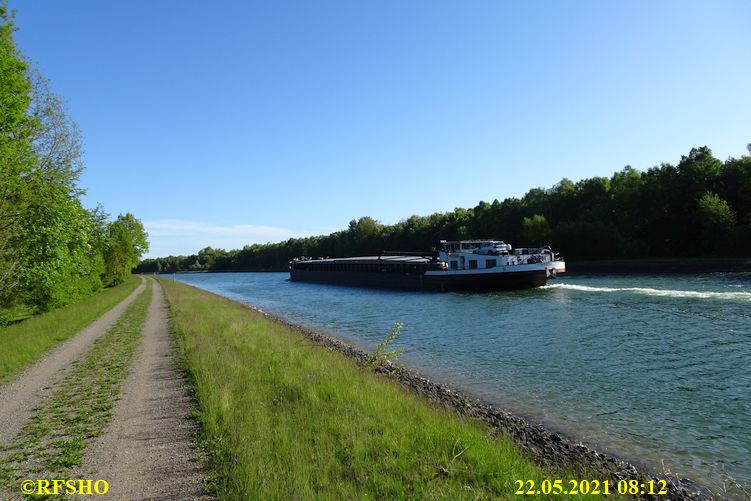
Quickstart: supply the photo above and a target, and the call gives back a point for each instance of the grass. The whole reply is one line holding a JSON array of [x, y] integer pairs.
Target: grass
[[23, 343], [283, 418], [54, 439]]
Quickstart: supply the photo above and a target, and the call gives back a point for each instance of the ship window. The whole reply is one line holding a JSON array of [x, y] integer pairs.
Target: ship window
[[454, 265], [473, 264], [490, 263]]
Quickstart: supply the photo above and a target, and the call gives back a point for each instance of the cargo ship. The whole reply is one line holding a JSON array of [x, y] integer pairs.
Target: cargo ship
[[467, 265]]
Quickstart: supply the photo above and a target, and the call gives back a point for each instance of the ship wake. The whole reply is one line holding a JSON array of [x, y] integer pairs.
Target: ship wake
[[647, 291]]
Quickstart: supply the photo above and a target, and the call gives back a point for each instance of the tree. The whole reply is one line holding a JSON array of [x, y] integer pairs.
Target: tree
[[59, 257], [700, 206], [535, 230], [52, 250], [16, 128], [736, 187], [56, 140], [717, 222], [126, 242], [365, 233]]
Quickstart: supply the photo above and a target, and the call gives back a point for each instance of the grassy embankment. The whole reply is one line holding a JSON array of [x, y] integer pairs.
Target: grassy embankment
[[25, 342], [284, 418], [53, 441]]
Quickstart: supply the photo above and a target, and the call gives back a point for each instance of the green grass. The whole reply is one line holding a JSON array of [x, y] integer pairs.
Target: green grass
[[283, 418], [23, 343], [55, 438]]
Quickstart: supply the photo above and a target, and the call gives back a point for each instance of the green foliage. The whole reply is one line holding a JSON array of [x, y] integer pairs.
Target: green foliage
[[364, 233], [535, 230], [16, 128], [59, 262], [718, 222], [15, 125], [126, 242], [588, 240], [379, 356], [52, 250], [629, 215]]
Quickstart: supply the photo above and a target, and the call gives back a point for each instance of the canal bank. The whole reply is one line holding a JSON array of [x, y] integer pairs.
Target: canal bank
[[598, 358], [549, 449], [282, 417]]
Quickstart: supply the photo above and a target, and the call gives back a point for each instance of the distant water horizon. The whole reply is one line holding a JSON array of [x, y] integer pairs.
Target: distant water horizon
[[652, 369]]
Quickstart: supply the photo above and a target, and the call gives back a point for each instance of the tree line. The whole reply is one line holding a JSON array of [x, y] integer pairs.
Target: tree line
[[53, 251], [700, 207]]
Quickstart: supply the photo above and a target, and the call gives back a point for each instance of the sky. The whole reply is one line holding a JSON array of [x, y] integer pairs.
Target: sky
[[229, 123]]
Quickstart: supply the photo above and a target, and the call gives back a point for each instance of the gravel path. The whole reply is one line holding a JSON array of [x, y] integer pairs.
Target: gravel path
[[147, 451], [23, 392]]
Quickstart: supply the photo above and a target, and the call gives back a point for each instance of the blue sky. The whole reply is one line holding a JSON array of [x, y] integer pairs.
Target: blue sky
[[228, 123]]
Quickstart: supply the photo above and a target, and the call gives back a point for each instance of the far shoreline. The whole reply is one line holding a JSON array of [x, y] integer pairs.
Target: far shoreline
[[659, 266], [638, 266]]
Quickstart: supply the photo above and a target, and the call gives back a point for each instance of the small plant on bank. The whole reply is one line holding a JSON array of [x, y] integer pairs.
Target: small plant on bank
[[380, 357]]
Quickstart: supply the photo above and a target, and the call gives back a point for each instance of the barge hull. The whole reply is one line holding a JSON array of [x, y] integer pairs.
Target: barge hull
[[407, 281]]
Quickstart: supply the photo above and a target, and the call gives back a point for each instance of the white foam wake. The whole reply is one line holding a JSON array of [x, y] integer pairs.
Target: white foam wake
[[743, 296]]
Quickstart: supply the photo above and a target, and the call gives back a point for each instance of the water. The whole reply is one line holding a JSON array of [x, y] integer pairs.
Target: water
[[654, 369]]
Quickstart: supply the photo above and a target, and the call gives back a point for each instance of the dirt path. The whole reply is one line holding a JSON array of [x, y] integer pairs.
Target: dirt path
[[23, 392], [147, 451]]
